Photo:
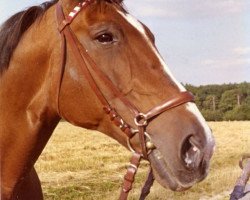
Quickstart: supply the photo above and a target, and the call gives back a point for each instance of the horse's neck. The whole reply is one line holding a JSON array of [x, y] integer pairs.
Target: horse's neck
[[28, 116], [27, 86]]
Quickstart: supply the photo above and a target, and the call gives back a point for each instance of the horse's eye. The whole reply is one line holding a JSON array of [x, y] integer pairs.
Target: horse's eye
[[105, 38]]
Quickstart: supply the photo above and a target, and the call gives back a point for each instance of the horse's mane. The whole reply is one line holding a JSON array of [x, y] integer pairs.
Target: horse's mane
[[12, 30]]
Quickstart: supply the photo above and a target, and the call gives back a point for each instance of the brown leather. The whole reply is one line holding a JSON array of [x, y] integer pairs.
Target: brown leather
[[182, 98], [130, 176], [147, 185], [85, 61]]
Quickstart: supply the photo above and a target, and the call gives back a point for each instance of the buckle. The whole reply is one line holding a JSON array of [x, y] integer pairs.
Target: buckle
[[141, 120]]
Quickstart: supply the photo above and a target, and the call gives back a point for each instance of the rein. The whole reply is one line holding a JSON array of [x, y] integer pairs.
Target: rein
[[141, 120]]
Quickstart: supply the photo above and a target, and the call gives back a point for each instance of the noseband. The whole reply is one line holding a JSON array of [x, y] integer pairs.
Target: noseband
[[141, 120]]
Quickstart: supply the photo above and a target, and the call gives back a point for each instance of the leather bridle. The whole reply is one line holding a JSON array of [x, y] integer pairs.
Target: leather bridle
[[141, 120]]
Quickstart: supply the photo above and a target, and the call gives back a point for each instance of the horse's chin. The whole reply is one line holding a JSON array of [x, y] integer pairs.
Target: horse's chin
[[164, 175]]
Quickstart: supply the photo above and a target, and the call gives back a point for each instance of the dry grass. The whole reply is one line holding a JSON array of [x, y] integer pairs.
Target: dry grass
[[81, 164]]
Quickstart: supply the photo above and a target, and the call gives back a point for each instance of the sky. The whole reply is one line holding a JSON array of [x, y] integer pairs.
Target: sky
[[202, 41]]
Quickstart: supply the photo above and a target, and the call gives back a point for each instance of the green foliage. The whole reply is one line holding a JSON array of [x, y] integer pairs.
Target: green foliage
[[228, 100], [211, 115], [223, 102], [210, 102], [239, 113]]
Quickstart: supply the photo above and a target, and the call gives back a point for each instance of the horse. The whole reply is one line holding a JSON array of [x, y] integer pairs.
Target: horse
[[94, 65]]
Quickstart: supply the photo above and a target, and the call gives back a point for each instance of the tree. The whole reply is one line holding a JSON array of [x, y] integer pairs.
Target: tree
[[211, 115], [239, 113], [210, 103], [228, 100], [223, 102]]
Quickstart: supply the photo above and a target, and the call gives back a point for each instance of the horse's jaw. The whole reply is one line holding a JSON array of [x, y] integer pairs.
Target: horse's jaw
[[164, 174]]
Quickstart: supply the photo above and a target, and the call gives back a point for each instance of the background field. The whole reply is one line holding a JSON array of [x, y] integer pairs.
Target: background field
[[82, 164]]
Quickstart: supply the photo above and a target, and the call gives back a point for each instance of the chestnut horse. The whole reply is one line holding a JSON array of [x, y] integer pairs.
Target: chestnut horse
[[72, 67]]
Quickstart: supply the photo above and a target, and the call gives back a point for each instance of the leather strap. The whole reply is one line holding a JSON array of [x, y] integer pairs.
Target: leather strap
[[182, 98], [147, 185], [130, 176]]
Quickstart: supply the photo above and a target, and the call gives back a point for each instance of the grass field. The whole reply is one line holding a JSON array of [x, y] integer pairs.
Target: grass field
[[82, 164]]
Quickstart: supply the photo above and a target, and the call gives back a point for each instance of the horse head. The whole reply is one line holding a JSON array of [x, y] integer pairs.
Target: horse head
[[123, 49]]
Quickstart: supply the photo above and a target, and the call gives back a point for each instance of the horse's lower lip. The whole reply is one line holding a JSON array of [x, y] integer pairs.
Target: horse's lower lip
[[164, 174]]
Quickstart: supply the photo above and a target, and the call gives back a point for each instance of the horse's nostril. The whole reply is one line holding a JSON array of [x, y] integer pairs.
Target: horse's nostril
[[191, 154]]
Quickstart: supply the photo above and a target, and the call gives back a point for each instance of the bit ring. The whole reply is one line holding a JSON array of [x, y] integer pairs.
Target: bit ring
[[141, 120]]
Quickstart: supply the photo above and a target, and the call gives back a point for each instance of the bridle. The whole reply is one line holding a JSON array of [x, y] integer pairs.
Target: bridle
[[141, 120]]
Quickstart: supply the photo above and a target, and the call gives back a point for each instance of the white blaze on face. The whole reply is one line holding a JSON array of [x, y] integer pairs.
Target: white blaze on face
[[137, 25], [191, 107]]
